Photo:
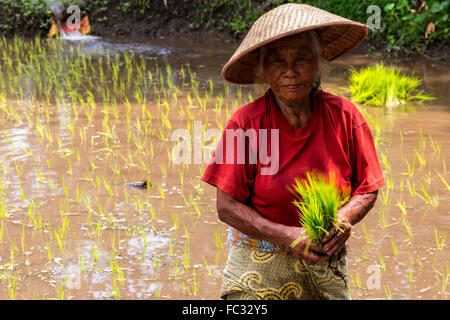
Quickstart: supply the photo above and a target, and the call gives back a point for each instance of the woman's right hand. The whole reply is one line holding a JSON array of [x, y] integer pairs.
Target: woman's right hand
[[301, 247]]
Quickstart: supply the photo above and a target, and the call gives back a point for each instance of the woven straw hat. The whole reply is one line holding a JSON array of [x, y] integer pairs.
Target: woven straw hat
[[339, 36]]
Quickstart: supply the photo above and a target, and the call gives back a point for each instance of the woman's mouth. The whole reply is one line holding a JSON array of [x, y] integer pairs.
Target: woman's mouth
[[291, 86]]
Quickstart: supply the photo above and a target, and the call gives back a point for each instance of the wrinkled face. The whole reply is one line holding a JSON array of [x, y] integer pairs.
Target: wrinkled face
[[290, 68]]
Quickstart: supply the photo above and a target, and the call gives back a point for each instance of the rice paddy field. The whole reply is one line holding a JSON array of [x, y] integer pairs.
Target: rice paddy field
[[81, 120]]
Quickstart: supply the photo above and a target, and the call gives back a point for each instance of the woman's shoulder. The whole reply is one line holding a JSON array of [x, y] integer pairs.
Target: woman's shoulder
[[342, 107], [251, 114]]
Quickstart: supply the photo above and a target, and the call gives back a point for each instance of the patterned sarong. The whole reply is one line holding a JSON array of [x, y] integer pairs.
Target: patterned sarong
[[252, 273]]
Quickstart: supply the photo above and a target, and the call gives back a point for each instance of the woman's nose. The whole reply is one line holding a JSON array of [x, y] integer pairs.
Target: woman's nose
[[289, 69]]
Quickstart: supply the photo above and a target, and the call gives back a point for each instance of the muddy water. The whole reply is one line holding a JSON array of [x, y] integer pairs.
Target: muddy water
[[71, 228]]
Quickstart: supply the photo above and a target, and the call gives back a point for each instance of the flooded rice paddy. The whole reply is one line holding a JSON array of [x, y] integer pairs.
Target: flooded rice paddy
[[80, 120]]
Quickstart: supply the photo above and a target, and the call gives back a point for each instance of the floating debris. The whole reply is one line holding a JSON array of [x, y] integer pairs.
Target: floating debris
[[139, 185]]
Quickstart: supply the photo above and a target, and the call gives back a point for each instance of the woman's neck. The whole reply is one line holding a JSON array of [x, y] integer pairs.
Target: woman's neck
[[297, 116]]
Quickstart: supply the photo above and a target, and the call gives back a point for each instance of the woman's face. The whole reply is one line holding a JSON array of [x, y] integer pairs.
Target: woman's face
[[291, 68]]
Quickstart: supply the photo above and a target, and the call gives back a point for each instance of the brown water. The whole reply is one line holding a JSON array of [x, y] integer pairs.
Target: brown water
[[71, 228]]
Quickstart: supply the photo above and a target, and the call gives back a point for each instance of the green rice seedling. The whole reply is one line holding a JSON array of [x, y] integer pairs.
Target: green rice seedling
[[422, 142], [408, 227], [318, 199], [163, 170], [390, 183], [427, 177], [385, 196], [404, 218], [426, 197], [411, 168], [108, 187], [60, 241], [419, 261], [2, 209], [394, 247], [387, 166], [60, 293], [197, 210], [181, 175], [440, 239], [12, 286], [400, 187], [195, 283], [421, 159], [382, 264], [208, 270], [356, 281], [152, 213], [23, 239], [186, 254], [94, 252], [445, 275], [411, 189], [387, 292], [366, 234], [443, 181], [218, 237], [36, 295], [176, 221], [402, 208], [2, 230], [155, 262], [364, 254], [383, 219], [380, 85], [48, 247], [161, 191], [436, 146]]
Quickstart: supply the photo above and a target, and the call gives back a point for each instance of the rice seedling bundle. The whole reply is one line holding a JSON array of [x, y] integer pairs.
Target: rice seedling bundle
[[380, 85], [318, 199]]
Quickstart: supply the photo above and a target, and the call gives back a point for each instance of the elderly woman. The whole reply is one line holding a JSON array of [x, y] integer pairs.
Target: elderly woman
[[270, 256]]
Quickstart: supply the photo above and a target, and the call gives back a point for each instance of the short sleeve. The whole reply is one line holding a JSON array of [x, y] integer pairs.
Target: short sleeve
[[366, 171], [235, 178]]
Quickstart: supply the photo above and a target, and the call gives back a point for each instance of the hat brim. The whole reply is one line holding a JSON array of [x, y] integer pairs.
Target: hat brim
[[338, 38]]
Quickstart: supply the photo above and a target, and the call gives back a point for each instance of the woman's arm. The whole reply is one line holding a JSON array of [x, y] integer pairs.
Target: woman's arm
[[351, 213], [249, 221]]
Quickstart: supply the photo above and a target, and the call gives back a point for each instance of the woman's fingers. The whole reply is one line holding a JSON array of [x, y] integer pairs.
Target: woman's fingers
[[332, 242], [313, 258], [315, 248], [331, 233], [337, 242], [338, 245]]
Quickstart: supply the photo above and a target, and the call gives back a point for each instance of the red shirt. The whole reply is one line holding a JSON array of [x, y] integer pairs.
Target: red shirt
[[335, 138]]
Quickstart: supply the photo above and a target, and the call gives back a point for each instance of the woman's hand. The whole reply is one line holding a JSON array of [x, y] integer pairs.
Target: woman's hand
[[252, 223], [336, 238], [302, 248], [350, 214]]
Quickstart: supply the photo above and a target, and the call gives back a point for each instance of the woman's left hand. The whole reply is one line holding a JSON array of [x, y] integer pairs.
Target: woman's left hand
[[336, 238]]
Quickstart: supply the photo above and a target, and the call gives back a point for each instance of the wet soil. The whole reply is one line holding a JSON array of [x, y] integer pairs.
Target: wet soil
[[72, 228]]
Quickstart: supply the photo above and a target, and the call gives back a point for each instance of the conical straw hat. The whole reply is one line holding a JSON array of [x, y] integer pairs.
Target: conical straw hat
[[339, 35]]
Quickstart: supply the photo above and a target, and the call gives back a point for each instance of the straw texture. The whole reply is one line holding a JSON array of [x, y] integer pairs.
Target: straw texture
[[338, 34]]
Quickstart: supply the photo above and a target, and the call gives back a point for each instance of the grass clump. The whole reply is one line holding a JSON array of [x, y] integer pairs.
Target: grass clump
[[380, 85], [318, 199]]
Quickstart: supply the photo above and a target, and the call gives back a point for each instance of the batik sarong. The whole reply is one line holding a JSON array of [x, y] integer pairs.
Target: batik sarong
[[256, 269]]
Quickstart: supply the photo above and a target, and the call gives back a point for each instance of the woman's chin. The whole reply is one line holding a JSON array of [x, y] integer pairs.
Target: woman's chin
[[294, 100]]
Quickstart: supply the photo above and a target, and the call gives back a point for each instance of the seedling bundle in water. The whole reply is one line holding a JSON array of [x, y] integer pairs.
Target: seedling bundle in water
[[318, 200], [380, 85]]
